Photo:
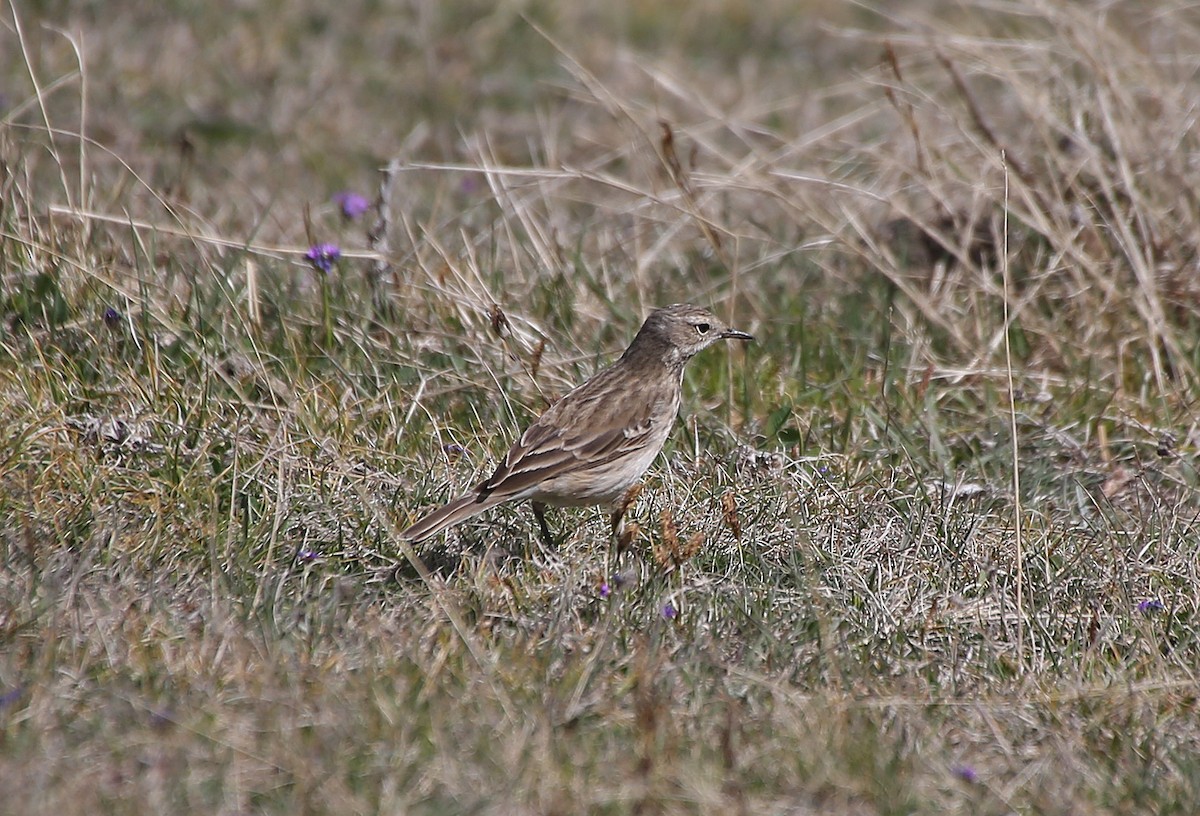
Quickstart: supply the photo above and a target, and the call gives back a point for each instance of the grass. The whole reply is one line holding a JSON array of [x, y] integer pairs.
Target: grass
[[207, 446]]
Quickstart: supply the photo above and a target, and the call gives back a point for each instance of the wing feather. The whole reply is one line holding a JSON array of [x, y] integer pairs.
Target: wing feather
[[580, 432]]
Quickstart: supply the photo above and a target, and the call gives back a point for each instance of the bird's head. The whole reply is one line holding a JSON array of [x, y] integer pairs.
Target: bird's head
[[679, 332]]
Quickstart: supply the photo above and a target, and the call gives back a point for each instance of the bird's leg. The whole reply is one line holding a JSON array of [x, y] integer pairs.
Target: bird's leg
[[623, 534], [618, 524], [539, 512]]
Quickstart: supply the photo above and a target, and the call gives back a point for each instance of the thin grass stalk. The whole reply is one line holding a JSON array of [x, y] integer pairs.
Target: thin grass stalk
[[1012, 428]]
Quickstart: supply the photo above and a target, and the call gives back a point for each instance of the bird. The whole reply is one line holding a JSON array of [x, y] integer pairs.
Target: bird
[[592, 446]]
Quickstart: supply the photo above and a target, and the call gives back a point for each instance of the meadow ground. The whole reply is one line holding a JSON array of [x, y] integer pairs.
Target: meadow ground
[[928, 546]]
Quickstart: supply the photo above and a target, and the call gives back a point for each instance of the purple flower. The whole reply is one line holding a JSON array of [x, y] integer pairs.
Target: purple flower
[[1151, 605], [308, 554], [966, 773], [669, 611], [323, 256], [353, 205], [112, 318], [454, 449], [10, 697], [605, 590]]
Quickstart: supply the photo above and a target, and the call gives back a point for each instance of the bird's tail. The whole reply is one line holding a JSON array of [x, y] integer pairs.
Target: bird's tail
[[443, 518]]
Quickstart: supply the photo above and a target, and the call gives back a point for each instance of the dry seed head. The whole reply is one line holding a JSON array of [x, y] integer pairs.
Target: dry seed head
[[670, 553], [499, 321], [730, 515], [535, 361], [631, 496], [627, 536], [666, 551]]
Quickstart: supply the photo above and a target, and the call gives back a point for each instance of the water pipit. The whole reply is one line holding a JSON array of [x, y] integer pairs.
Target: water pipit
[[593, 445]]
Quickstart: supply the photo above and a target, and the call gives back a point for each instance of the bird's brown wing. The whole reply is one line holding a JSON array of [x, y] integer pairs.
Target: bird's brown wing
[[547, 450]]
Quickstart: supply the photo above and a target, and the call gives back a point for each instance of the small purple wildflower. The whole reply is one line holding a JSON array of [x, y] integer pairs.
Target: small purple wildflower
[[10, 697], [454, 449], [605, 590], [112, 318], [323, 256], [1151, 605], [308, 554], [966, 773], [352, 204], [669, 611]]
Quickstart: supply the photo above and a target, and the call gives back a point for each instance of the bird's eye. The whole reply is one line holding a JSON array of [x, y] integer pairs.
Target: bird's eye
[[703, 328]]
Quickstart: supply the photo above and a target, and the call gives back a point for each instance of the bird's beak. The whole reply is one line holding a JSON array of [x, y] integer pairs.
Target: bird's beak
[[734, 334]]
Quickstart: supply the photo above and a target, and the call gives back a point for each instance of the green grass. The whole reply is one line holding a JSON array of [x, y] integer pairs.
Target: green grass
[[204, 606]]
